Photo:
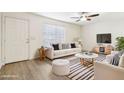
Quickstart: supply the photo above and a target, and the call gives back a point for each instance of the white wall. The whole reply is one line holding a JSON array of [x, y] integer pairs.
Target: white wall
[[107, 23], [36, 28]]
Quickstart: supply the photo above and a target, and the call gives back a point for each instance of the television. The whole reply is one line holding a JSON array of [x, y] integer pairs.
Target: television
[[104, 38]]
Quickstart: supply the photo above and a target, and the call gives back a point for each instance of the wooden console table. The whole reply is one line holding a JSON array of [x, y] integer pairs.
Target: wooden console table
[[107, 49]]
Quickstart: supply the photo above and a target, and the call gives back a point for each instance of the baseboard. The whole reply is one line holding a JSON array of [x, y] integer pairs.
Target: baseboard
[[1, 64], [34, 58]]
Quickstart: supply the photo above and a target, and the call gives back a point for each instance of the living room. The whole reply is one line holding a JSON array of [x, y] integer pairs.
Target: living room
[[29, 63], [62, 39]]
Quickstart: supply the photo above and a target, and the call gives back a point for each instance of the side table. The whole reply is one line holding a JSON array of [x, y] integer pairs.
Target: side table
[[42, 53]]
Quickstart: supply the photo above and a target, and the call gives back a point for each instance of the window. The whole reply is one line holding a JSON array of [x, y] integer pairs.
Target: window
[[53, 34]]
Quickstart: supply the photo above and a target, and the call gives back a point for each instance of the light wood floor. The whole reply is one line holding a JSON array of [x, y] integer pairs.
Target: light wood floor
[[29, 70]]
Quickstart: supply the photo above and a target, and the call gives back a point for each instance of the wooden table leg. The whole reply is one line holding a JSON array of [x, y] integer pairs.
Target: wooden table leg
[[93, 61], [86, 63], [81, 60]]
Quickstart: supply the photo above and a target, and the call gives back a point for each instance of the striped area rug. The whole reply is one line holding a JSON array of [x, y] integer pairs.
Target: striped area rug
[[81, 72], [101, 58]]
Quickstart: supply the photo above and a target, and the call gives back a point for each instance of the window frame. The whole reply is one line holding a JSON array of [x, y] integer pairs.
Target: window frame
[[56, 36]]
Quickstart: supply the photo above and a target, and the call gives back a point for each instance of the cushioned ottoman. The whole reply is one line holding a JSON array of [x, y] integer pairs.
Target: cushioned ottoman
[[61, 67]]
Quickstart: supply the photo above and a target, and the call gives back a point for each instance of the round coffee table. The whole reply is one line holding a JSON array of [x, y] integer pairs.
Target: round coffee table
[[84, 56]]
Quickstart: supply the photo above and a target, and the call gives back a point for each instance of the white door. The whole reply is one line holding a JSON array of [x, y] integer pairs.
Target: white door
[[16, 40]]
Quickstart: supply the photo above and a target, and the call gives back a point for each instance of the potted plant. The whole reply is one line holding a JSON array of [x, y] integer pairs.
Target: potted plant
[[120, 43]]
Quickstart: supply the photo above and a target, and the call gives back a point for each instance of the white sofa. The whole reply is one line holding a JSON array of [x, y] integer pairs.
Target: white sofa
[[104, 71], [52, 54]]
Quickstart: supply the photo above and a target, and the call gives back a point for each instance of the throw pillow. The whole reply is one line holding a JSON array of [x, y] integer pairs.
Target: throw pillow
[[55, 46], [65, 46], [68, 46], [121, 61], [116, 58], [73, 45]]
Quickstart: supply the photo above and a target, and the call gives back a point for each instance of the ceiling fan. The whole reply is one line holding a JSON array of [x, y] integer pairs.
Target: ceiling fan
[[85, 16]]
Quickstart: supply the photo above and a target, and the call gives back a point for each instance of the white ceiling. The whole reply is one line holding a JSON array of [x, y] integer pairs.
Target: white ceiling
[[65, 16]]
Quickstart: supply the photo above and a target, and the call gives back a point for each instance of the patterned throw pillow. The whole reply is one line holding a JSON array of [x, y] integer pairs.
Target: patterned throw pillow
[[65, 46], [115, 59]]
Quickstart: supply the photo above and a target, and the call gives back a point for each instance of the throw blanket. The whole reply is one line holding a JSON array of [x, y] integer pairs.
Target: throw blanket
[[116, 58]]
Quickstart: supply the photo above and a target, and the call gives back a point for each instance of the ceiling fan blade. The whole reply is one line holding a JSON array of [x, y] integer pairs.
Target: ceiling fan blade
[[82, 13], [81, 17], [75, 17], [94, 15], [78, 20]]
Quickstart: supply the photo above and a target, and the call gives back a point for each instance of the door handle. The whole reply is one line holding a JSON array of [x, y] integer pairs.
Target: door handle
[[27, 41]]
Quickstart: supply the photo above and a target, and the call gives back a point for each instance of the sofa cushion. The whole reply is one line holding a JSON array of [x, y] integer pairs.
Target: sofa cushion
[[76, 50], [60, 52], [66, 51]]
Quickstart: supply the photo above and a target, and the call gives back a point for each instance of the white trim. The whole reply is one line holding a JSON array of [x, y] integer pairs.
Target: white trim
[[1, 38], [1, 64], [1, 60], [56, 26]]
